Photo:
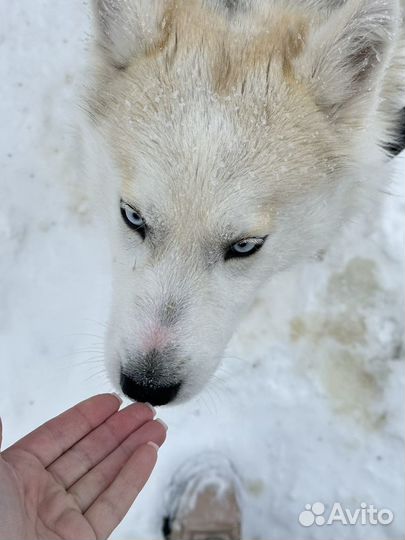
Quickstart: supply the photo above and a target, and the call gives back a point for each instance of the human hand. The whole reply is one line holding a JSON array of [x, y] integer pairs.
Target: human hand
[[76, 476]]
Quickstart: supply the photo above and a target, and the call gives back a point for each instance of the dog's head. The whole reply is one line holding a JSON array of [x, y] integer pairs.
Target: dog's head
[[226, 138]]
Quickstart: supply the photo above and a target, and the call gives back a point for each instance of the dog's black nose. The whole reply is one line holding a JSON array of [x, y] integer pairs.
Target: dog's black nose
[[155, 395]]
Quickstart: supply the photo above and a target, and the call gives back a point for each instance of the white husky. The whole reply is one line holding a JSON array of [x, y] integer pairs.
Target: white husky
[[230, 139]]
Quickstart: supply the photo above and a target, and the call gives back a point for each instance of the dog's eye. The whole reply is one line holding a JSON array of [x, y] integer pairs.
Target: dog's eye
[[133, 219], [244, 248]]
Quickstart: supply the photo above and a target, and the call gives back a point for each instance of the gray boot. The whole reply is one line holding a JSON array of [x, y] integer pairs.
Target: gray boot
[[203, 501]]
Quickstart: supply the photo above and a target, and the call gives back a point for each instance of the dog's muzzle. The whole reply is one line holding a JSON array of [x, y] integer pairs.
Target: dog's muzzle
[[151, 377], [155, 395]]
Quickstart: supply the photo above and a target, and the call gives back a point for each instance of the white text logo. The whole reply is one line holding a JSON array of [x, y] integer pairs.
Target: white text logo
[[367, 514]]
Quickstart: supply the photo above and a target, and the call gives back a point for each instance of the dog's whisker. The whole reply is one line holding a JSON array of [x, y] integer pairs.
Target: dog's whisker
[[91, 361], [88, 334], [103, 324], [101, 373], [80, 353]]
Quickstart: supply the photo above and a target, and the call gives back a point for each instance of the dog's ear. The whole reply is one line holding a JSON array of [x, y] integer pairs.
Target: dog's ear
[[345, 57], [126, 28]]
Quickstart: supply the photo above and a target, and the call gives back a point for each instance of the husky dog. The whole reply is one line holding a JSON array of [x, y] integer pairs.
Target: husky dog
[[231, 139]]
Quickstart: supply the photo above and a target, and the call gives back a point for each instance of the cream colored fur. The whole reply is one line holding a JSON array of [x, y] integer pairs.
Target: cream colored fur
[[219, 122]]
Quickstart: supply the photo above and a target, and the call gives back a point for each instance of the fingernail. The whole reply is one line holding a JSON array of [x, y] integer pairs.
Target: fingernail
[[152, 408], [117, 396], [153, 445], [162, 423]]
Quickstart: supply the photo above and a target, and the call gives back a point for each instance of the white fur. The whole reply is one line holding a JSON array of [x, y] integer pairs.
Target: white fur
[[206, 168]]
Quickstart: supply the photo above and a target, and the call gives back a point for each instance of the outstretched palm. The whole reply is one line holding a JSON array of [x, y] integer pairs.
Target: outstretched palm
[[76, 476]]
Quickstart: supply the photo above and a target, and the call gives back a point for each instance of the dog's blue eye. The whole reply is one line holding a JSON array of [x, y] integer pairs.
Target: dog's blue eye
[[244, 248], [133, 219]]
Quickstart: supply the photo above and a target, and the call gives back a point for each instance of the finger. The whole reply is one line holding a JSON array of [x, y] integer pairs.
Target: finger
[[89, 487], [1, 432], [111, 506], [53, 438], [100, 442]]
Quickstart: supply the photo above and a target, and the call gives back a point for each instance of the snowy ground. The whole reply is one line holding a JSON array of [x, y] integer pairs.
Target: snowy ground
[[313, 383]]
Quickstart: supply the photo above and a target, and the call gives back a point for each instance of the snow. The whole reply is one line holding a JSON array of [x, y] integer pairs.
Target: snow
[[308, 403]]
